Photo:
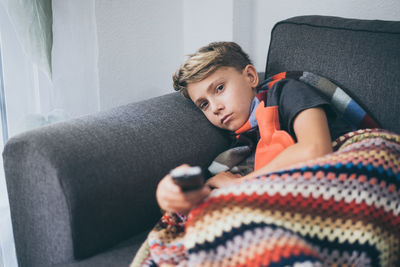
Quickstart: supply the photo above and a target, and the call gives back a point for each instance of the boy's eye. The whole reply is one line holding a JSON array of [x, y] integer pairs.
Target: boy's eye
[[220, 87], [203, 105]]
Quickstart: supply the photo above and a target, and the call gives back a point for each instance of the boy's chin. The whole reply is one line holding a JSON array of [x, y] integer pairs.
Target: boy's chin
[[231, 128]]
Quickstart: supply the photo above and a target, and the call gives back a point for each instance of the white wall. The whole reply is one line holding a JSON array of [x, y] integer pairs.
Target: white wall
[[141, 43], [75, 55], [206, 21]]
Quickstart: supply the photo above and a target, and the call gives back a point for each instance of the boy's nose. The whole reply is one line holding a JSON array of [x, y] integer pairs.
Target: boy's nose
[[217, 107]]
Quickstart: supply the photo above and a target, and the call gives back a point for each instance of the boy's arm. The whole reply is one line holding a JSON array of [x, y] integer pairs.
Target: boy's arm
[[313, 140]]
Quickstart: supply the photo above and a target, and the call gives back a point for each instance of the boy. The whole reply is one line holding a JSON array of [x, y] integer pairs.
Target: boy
[[221, 80]]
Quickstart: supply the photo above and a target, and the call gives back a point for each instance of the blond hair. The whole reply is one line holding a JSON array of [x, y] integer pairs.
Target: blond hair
[[206, 61]]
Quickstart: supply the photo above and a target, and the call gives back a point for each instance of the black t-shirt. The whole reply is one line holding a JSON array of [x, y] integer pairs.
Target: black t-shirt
[[295, 96]]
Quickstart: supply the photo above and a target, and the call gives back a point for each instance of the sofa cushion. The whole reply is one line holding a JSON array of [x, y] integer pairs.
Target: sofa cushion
[[361, 56], [121, 255]]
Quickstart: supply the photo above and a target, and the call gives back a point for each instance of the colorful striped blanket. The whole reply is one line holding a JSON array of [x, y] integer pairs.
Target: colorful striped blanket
[[342, 209]]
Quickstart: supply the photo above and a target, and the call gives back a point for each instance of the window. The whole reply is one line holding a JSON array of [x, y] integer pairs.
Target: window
[[7, 251]]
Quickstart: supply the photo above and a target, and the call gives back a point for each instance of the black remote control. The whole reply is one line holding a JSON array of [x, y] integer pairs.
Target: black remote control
[[188, 179]]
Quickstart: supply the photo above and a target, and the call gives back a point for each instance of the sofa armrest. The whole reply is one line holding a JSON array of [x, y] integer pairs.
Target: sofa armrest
[[81, 186]]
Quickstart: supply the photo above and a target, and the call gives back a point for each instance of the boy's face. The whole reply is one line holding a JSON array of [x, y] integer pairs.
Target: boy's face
[[225, 96]]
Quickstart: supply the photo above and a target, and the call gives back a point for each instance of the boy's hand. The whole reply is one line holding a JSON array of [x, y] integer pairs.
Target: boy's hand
[[223, 179], [171, 198]]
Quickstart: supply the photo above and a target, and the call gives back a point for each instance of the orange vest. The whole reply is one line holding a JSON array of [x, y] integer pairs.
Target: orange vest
[[273, 140]]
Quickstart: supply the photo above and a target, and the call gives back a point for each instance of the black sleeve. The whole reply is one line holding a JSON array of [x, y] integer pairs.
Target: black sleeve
[[295, 97]]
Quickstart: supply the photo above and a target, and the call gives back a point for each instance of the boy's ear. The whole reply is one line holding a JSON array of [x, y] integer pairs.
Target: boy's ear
[[251, 73]]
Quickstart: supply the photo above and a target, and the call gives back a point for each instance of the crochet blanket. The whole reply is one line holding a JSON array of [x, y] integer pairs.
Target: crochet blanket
[[339, 209]]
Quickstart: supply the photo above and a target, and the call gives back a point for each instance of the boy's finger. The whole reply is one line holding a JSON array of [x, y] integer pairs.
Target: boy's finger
[[179, 202], [171, 186], [198, 195], [211, 182], [183, 198], [184, 202]]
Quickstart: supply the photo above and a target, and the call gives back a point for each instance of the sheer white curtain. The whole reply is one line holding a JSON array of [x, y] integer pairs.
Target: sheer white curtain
[[32, 99], [5, 229]]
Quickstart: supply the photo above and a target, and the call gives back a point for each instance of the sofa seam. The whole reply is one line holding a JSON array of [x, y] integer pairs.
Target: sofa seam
[[332, 27]]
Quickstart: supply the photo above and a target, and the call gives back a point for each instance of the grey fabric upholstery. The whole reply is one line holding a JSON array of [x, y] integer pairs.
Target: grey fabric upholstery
[[79, 187], [120, 255], [82, 192], [362, 57]]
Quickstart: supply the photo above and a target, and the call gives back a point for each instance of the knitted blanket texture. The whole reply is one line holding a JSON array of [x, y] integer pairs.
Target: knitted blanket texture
[[342, 209]]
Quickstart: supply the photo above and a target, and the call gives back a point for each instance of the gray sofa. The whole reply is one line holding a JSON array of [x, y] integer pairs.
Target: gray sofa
[[82, 192]]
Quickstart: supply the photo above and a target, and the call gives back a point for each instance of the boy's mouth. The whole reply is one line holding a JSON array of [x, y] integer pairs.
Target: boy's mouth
[[225, 119]]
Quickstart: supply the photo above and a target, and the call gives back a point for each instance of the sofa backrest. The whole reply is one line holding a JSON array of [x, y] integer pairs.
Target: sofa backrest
[[361, 56]]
